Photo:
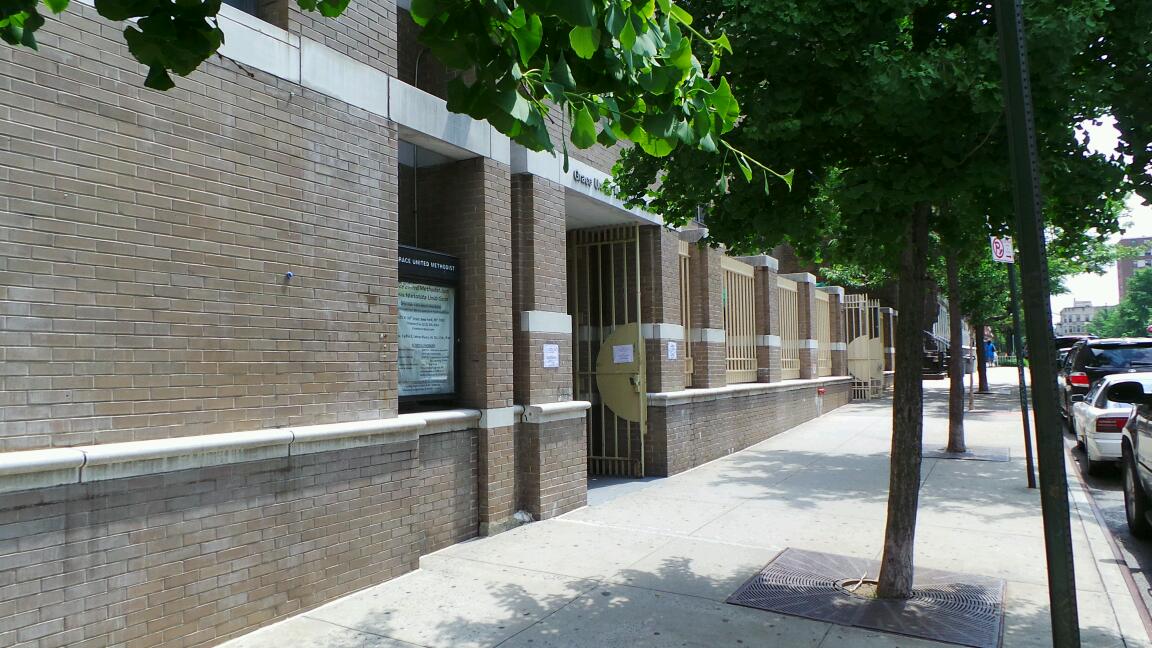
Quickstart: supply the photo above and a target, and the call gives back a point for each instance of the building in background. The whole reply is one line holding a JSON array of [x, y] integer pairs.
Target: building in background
[[1075, 318], [1127, 266]]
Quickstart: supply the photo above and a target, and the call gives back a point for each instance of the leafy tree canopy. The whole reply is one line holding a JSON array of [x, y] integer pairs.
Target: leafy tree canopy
[[1132, 316]]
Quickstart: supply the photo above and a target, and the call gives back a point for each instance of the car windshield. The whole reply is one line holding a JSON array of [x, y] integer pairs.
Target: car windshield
[[1119, 356]]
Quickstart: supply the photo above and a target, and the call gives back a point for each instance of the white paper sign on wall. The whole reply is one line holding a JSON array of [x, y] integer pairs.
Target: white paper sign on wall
[[551, 356], [623, 354], [672, 351]]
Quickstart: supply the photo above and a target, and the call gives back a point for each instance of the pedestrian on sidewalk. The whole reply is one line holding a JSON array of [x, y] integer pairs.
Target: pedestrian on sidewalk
[[990, 352]]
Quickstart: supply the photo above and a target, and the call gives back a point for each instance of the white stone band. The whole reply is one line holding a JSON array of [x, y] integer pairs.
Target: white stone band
[[768, 340], [761, 261], [832, 290], [838, 346], [808, 344], [709, 335], [662, 331], [546, 322]]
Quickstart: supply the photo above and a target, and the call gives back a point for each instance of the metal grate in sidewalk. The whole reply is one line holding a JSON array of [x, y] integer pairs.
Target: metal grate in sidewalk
[[954, 608]]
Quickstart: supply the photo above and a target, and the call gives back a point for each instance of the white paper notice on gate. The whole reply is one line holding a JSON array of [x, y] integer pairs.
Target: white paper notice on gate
[[623, 354], [672, 350], [551, 356]]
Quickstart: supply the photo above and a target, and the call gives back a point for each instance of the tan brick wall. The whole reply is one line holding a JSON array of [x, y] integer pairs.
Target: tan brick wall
[[192, 558], [145, 236], [767, 323], [365, 32], [685, 436]]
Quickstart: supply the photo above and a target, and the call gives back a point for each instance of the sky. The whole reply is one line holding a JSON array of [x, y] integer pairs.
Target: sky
[[1103, 289]]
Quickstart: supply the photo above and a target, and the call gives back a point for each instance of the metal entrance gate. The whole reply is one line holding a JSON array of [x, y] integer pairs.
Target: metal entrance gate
[[865, 346], [608, 346]]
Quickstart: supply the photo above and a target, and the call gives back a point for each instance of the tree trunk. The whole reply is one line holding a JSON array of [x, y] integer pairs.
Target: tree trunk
[[981, 360], [895, 579], [956, 358]]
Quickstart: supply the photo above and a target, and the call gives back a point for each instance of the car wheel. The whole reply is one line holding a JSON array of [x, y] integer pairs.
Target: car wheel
[[1135, 500]]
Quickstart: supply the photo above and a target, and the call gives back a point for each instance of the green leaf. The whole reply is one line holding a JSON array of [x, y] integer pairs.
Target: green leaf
[[744, 167], [423, 11], [528, 38], [723, 43], [627, 35], [562, 74], [615, 20], [158, 79], [124, 9], [332, 8], [583, 128], [56, 6], [585, 41], [581, 13], [680, 14], [514, 104]]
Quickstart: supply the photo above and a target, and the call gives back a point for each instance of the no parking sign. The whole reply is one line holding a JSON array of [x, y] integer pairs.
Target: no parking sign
[[1002, 250]]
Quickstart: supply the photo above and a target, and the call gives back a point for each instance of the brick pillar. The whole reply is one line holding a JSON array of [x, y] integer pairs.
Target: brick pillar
[[709, 356], [660, 308], [465, 211], [836, 323], [805, 301], [551, 451], [767, 317]]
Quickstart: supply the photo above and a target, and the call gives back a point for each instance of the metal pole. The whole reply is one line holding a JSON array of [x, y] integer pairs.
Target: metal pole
[[1034, 273], [1017, 346]]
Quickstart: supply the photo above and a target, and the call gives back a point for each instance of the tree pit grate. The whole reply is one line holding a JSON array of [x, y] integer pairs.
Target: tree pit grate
[[960, 609], [1001, 454]]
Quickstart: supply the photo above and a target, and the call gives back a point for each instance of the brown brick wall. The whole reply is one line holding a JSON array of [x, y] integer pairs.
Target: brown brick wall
[[685, 436], [552, 467], [660, 303], [143, 248], [709, 359], [194, 557], [767, 323]]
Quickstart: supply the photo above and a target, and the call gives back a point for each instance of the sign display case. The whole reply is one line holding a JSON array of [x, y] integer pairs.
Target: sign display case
[[427, 325]]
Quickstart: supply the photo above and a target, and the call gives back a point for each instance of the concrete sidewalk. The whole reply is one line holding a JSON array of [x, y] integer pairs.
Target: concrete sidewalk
[[651, 563]]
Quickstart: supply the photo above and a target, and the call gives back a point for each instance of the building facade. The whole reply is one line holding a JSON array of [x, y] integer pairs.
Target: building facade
[[269, 337], [1126, 266], [1074, 319]]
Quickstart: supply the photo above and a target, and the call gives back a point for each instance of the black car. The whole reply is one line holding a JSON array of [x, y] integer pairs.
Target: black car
[[1090, 360], [1136, 453]]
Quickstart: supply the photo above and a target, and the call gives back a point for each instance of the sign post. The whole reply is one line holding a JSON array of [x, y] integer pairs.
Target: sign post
[[1024, 160], [1002, 252]]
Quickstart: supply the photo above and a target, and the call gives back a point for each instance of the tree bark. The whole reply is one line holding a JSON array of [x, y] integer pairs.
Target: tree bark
[[981, 361], [955, 357], [895, 580]]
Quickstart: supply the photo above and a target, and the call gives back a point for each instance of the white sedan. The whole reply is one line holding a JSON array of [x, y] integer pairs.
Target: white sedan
[[1097, 422]]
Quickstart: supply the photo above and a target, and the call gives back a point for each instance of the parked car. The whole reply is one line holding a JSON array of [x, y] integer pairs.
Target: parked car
[[1097, 422], [1136, 453], [1091, 360]]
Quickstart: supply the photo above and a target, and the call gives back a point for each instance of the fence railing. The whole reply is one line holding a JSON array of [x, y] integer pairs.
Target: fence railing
[[788, 296], [686, 308], [739, 320], [822, 320]]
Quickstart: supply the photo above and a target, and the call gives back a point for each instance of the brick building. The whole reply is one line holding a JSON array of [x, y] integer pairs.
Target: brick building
[[1125, 267], [224, 402]]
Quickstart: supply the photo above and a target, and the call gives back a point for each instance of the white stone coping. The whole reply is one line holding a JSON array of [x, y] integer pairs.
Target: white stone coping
[[694, 235], [760, 261], [808, 344], [838, 346], [832, 290], [801, 277], [83, 464], [548, 412], [670, 399]]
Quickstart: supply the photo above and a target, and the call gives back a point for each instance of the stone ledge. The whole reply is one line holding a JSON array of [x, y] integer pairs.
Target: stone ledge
[[84, 464], [671, 399], [548, 412]]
